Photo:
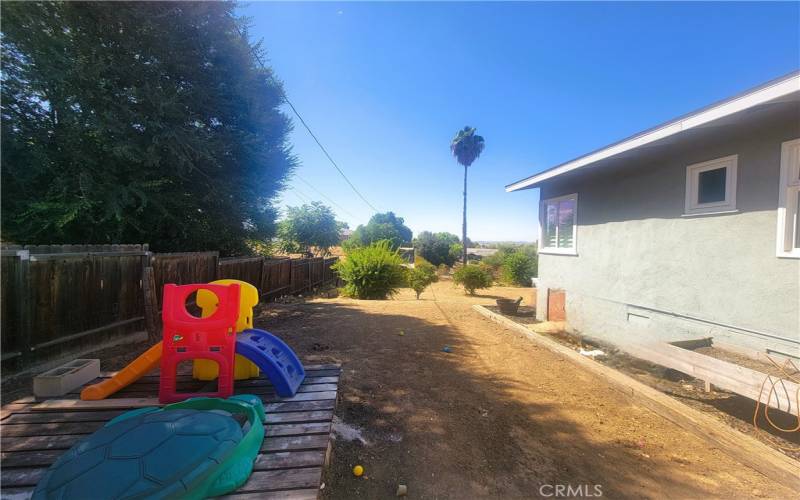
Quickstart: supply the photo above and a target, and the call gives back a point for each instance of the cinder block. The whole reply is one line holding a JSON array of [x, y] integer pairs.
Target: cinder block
[[61, 380]]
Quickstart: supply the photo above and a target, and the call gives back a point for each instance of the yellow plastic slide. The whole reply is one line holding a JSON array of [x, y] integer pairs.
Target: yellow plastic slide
[[125, 377]]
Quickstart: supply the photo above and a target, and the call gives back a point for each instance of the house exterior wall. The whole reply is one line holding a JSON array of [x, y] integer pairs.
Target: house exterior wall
[[645, 272]]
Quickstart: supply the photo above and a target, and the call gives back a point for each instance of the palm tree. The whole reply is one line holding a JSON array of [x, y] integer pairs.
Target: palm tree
[[466, 147]]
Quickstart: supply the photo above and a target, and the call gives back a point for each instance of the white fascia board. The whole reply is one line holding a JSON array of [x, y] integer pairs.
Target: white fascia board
[[765, 94]]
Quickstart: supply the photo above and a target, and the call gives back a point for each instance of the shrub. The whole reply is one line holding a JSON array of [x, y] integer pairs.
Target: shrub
[[421, 276], [435, 247], [372, 272], [472, 277], [518, 269]]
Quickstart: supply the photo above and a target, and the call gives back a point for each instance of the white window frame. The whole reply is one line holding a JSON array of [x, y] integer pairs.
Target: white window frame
[[692, 207], [573, 250], [789, 190]]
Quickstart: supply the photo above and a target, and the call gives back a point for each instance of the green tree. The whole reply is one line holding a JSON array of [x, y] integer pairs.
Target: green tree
[[309, 229], [386, 226], [138, 122], [421, 276], [466, 147], [435, 247]]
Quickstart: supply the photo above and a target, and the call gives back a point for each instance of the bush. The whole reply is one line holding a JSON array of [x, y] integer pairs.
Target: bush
[[518, 269], [435, 247], [372, 272], [472, 277], [421, 276]]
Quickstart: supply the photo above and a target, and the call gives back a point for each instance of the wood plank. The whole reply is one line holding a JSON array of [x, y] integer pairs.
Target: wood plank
[[300, 416], [20, 477], [273, 428], [53, 417], [41, 458], [300, 406], [307, 442], [722, 374], [50, 429], [289, 459], [297, 429], [71, 404], [284, 479], [16, 493], [304, 494], [737, 445], [38, 443]]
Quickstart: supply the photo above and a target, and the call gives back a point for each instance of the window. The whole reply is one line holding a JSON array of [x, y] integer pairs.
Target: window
[[711, 186], [789, 201], [559, 217]]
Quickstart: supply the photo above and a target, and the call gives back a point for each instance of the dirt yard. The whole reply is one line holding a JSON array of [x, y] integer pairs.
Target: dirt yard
[[497, 417]]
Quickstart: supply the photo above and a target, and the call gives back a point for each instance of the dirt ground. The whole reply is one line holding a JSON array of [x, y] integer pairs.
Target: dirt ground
[[497, 417]]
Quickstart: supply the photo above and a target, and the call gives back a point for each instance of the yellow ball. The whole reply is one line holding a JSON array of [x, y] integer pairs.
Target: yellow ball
[[358, 470]]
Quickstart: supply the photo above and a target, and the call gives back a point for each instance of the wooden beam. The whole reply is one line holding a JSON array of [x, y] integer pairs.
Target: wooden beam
[[722, 374], [737, 445]]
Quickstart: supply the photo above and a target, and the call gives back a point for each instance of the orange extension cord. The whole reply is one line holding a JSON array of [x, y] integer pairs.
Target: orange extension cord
[[773, 381]]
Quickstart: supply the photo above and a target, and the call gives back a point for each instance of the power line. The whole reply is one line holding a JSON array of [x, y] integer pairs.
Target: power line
[[324, 196], [299, 117], [286, 98]]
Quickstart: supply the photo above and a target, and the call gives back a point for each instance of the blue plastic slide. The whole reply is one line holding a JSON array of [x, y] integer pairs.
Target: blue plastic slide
[[274, 358]]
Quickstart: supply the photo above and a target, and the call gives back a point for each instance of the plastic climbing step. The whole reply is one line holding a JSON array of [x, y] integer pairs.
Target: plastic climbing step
[[274, 358]]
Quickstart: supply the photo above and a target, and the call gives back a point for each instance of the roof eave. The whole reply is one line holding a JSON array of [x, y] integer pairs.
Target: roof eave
[[774, 89]]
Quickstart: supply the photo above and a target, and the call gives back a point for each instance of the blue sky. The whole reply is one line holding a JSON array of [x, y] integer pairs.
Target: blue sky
[[385, 86]]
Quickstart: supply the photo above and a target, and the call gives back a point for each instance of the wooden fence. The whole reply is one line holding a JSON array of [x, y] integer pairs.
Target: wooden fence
[[62, 298]]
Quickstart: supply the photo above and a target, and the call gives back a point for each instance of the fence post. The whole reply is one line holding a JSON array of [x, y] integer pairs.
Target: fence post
[[150, 305], [25, 307]]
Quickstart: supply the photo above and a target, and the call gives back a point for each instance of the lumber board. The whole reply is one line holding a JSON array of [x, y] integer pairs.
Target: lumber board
[[743, 448], [16, 493], [38, 442], [69, 404], [729, 376], [20, 477], [42, 458], [289, 459], [283, 479], [264, 461], [271, 430], [286, 443], [304, 494]]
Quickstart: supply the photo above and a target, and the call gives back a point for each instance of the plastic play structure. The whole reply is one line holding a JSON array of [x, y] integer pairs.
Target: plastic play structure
[[199, 448], [213, 345]]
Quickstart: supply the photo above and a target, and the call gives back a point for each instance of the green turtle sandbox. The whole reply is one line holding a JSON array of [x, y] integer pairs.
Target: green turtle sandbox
[[198, 448]]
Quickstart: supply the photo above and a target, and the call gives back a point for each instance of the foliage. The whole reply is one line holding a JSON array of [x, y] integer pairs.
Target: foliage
[[518, 269], [386, 226], [138, 122], [466, 147], [514, 264], [308, 228], [372, 272], [421, 276], [435, 247], [456, 251], [473, 277]]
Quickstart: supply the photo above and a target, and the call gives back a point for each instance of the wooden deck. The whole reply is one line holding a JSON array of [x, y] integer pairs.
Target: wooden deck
[[295, 449]]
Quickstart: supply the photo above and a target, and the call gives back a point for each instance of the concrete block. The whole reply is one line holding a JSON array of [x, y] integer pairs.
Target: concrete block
[[69, 376]]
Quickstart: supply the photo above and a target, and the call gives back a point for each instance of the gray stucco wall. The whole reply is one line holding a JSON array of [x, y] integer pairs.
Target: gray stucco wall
[[646, 272]]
